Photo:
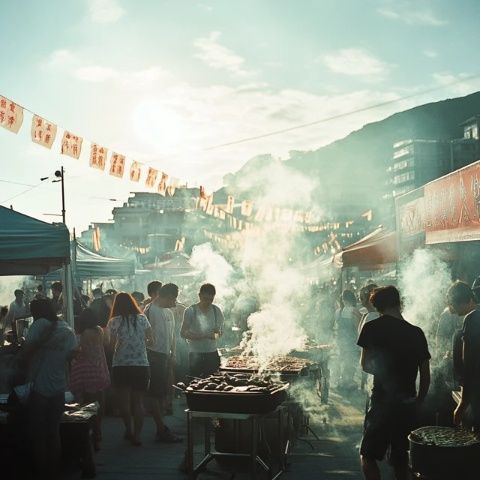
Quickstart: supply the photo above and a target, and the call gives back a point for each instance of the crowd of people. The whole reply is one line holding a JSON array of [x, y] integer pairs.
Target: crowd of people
[[376, 336], [138, 347], [121, 342]]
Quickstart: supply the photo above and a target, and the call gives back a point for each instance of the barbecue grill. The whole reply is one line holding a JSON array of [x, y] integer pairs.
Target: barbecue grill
[[287, 366], [236, 402]]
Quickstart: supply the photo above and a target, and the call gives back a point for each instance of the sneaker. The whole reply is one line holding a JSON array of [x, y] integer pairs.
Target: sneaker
[[167, 437]]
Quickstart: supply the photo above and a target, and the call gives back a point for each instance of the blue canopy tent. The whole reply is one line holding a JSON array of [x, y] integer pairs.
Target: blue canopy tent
[[87, 265], [29, 246]]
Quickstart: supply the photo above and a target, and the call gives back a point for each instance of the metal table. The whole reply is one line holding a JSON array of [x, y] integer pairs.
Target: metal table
[[257, 438]]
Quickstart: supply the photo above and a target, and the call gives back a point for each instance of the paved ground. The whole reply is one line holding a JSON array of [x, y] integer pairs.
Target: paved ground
[[334, 456]]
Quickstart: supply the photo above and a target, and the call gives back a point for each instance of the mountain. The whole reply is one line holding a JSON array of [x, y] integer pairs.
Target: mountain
[[351, 172]]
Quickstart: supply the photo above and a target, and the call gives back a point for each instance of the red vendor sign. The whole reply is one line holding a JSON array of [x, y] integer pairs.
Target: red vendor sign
[[452, 206]]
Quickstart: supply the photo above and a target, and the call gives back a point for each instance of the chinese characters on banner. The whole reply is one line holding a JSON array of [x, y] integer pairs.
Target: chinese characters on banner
[[117, 165], [135, 172], [230, 204], [452, 207], [98, 156], [151, 177], [43, 132], [71, 145], [11, 115], [162, 185]]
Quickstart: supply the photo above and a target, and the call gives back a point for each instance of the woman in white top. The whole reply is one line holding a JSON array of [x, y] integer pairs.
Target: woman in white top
[[130, 332], [202, 326]]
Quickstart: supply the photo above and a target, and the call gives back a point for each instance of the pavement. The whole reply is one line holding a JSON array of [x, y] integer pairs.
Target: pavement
[[333, 456]]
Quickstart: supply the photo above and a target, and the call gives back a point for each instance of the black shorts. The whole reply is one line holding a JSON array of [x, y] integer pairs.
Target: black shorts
[[203, 364], [159, 374], [386, 429], [136, 378]]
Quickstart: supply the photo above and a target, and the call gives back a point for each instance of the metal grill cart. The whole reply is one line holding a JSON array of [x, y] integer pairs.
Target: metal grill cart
[[272, 463]]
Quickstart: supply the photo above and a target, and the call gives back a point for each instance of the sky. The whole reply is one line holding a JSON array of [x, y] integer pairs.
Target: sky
[[164, 81]]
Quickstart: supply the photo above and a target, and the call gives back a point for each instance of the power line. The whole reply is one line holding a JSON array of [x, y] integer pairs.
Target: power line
[[16, 183], [342, 115], [21, 193]]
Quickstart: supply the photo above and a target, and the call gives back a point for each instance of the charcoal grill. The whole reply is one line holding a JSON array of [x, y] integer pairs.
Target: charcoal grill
[[236, 402]]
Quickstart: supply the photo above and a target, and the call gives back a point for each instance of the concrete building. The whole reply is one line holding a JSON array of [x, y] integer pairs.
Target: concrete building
[[149, 224], [416, 162]]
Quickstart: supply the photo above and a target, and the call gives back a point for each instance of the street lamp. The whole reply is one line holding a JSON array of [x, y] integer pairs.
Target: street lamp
[[60, 175], [60, 178]]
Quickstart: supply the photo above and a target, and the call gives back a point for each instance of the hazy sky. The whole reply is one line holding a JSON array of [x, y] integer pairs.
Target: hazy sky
[[161, 81]]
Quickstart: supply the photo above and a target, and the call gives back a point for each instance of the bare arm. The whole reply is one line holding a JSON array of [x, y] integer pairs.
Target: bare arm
[[424, 383], [148, 336]]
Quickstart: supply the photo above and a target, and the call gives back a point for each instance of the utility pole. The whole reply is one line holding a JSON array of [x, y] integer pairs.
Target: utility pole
[[60, 174]]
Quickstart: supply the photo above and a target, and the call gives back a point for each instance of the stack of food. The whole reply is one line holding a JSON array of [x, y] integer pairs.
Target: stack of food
[[444, 437], [283, 364], [444, 452], [237, 393]]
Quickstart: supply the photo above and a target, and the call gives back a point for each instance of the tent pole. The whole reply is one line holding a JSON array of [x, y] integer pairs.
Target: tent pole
[[68, 294]]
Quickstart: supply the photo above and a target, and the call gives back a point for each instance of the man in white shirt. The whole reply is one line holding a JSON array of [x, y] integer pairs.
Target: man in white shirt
[[17, 309], [161, 354], [202, 326]]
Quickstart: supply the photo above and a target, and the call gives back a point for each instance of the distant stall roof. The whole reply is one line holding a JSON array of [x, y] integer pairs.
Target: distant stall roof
[[29, 246], [373, 252], [90, 265]]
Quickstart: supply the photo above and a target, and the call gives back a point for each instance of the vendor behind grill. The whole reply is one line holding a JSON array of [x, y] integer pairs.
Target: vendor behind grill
[[394, 351], [202, 326]]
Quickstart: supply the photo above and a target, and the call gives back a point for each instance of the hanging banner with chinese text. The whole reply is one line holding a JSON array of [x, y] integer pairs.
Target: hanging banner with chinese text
[[11, 115], [98, 156], [151, 177], [43, 132], [135, 172], [452, 207], [230, 204], [162, 185], [247, 208], [117, 165], [71, 145]]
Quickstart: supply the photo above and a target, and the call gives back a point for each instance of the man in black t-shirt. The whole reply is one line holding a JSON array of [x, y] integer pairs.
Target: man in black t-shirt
[[393, 351], [462, 301]]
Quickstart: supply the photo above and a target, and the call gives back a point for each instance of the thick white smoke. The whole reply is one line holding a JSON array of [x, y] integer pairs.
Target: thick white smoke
[[215, 269], [424, 281]]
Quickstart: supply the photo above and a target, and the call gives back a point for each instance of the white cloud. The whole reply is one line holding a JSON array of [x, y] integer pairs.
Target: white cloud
[[105, 11], [454, 83], [412, 13], [215, 55], [356, 62], [95, 73], [430, 53], [135, 79], [59, 59]]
